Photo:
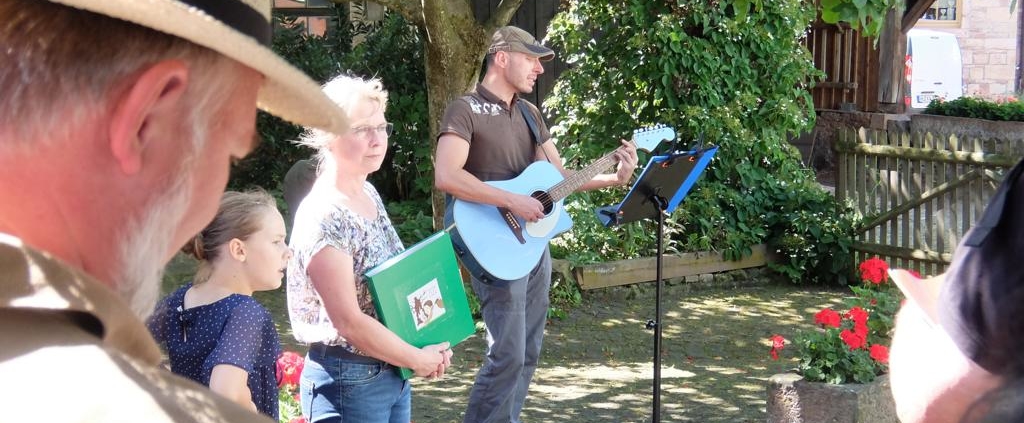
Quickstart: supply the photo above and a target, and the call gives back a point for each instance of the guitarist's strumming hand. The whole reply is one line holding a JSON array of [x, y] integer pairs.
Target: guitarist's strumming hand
[[627, 158], [525, 207]]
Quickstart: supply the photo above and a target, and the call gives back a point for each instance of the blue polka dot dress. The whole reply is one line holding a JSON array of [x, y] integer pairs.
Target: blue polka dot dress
[[236, 330]]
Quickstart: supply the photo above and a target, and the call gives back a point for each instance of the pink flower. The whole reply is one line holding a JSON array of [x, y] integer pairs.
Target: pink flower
[[289, 368]]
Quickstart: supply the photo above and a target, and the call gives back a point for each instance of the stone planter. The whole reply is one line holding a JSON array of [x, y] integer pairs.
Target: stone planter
[[967, 127], [791, 399]]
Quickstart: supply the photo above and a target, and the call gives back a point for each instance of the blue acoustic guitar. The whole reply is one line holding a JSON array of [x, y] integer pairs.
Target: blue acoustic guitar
[[494, 244]]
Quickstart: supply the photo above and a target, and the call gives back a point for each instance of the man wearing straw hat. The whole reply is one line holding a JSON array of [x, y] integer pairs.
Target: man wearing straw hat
[[118, 123]]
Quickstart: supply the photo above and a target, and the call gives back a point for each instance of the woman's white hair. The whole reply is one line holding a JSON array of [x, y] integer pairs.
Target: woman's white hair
[[347, 92]]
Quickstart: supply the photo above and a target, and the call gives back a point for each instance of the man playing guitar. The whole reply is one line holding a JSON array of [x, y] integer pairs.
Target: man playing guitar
[[485, 137]]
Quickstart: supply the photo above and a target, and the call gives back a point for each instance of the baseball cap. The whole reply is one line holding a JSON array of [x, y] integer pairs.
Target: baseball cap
[[510, 38]]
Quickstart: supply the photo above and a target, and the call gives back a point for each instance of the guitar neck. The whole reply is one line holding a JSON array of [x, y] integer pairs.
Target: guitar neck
[[573, 182]]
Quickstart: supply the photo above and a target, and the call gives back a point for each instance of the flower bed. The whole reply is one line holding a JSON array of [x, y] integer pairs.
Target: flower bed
[[850, 345]]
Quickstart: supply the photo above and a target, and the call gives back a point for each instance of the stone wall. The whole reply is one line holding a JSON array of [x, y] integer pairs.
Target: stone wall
[[816, 147]]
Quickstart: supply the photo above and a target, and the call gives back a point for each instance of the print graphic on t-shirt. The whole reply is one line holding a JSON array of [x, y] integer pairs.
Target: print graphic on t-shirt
[[426, 304], [484, 108]]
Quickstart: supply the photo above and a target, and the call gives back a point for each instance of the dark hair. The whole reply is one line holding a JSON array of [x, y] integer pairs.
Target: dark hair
[[237, 218]]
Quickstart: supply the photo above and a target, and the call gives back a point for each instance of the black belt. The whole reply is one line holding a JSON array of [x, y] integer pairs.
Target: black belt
[[337, 351]]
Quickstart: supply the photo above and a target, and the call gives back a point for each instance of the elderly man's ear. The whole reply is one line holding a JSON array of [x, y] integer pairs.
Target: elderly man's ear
[[150, 108]]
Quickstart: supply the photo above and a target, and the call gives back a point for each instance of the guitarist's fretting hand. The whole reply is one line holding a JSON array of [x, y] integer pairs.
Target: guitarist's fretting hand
[[627, 161], [525, 207]]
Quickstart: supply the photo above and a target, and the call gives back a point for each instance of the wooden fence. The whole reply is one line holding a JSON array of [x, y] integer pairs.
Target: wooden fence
[[850, 63], [918, 193]]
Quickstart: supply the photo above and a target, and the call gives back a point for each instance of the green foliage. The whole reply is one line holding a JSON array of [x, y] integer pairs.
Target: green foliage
[[289, 407], [882, 301], [317, 57], [1009, 109], [715, 72], [392, 51], [865, 15], [412, 220]]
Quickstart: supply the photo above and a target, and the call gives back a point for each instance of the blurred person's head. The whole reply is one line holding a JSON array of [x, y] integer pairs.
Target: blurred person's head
[[116, 137], [957, 340], [245, 243], [360, 149]]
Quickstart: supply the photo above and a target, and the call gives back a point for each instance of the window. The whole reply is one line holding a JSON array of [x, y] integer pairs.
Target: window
[[943, 13]]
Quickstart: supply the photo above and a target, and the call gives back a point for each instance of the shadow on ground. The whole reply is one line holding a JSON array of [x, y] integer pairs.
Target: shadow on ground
[[597, 365]]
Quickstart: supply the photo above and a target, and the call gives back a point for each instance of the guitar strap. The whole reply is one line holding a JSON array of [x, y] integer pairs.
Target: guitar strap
[[534, 131]]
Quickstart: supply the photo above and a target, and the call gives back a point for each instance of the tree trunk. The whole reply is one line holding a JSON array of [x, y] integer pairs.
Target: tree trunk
[[455, 44], [453, 58]]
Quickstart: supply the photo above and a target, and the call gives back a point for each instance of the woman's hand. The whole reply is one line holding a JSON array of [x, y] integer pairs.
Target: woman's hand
[[432, 360]]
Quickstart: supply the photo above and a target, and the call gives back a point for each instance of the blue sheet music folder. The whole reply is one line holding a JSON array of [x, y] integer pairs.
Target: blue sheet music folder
[[668, 177]]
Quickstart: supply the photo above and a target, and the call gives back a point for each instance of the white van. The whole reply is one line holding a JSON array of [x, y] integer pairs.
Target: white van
[[934, 67]]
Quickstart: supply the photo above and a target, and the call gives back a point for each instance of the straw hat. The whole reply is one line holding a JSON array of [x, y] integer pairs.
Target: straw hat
[[241, 30]]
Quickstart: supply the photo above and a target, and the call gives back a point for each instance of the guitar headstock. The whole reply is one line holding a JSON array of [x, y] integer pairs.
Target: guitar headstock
[[649, 138]]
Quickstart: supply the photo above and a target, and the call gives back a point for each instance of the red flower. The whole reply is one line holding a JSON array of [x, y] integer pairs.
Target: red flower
[[874, 270], [852, 339], [299, 419], [860, 321], [778, 343], [880, 353], [915, 273], [827, 318], [289, 368]]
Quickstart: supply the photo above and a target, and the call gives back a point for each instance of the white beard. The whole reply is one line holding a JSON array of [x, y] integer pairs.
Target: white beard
[[146, 245]]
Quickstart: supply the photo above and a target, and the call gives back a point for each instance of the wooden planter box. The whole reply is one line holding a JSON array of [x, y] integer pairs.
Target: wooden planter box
[[624, 272], [791, 399]]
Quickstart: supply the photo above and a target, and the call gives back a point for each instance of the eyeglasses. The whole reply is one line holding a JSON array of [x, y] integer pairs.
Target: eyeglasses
[[365, 131]]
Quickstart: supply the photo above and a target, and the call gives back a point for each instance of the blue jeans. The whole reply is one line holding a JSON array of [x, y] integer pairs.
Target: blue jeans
[[352, 388], [515, 314]]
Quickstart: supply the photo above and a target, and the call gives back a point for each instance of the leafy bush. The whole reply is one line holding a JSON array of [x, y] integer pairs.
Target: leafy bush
[[392, 51], [318, 58], [971, 107], [718, 74]]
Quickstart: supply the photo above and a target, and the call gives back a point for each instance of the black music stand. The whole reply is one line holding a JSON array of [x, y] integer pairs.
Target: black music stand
[[662, 185]]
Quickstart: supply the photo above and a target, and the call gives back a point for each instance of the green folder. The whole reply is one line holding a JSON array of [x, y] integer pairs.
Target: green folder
[[419, 295]]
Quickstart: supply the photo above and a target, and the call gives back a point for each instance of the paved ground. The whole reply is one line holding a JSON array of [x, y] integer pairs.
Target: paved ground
[[597, 365]]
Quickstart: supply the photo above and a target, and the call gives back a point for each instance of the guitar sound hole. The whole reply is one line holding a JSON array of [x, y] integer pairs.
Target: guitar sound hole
[[545, 200]]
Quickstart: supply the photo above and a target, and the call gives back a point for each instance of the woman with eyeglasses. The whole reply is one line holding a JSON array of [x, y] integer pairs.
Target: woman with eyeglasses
[[342, 230]]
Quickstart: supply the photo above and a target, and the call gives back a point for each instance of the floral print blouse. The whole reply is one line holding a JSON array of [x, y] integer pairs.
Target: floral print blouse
[[322, 221]]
